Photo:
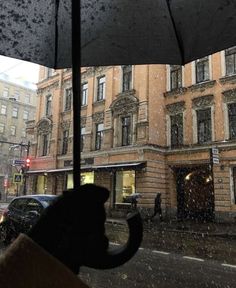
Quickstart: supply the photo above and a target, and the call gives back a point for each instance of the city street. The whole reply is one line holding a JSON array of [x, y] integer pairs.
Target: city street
[[158, 269]]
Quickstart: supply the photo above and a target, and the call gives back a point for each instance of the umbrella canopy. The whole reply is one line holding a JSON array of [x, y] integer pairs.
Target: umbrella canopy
[[117, 31]]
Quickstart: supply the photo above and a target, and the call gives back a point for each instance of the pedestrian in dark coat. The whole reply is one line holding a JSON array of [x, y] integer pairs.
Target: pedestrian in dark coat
[[157, 207]]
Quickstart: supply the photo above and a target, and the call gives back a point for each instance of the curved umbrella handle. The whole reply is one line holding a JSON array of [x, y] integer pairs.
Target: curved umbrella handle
[[116, 257]]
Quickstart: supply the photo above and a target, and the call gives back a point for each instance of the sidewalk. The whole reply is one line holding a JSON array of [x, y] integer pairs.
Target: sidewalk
[[192, 227]]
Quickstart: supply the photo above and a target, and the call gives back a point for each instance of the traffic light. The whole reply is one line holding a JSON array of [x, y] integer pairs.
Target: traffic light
[[27, 163]]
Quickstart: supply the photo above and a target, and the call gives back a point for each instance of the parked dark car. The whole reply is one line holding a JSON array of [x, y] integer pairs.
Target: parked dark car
[[21, 214]]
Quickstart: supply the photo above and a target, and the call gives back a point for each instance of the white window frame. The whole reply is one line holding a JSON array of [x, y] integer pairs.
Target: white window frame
[[104, 90], [24, 115], [2, 128], [15, 112], [13, 130], [193, 66], [3, 109], [5, 93], [84, 103]]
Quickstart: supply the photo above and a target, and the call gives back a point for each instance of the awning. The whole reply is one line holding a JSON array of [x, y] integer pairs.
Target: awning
[[36, 171], [120, 166], [60, 170], [108, 167], [49, 171]]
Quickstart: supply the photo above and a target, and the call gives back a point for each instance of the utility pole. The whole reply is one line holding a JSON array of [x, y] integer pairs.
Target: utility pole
[[26, 168]]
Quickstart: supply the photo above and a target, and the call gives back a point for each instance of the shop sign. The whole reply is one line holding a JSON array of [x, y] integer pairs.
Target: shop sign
[[215, 156]]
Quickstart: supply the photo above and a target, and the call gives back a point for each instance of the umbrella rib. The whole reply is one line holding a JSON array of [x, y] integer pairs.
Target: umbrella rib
[[181, 48]]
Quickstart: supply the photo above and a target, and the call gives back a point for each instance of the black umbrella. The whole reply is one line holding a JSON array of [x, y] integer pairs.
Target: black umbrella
[[113, 32], [117, 31]]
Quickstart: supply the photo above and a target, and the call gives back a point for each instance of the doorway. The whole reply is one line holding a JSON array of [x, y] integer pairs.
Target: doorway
[[195, 193]]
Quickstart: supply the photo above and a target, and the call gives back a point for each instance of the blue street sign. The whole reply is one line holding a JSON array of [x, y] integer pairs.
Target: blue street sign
[[18, 162]]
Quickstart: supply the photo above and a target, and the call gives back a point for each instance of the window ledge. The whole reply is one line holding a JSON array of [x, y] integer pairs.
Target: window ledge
[[100, 102], [203, 85], [228, 79], [127, 93], [83, 107], [66, 112], [175, 92]]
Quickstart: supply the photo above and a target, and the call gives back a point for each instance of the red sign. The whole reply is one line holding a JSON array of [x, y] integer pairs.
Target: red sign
[[6, 183]]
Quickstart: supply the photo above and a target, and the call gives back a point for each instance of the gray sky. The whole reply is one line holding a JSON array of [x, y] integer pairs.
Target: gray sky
[[19, 69]]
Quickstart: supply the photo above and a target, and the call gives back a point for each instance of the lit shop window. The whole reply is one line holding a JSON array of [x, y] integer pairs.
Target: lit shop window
[[125, 185]]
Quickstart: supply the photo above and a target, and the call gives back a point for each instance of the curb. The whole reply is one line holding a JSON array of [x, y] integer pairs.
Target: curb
[[228, 235]]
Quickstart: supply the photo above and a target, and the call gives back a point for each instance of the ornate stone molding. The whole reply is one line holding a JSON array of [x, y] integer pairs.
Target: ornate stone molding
[[203, 85], [83, 121], [93, 71], [229, 95], [47, 89], [175, 108], [203, 101], [228, 79], [98, 117], [65, 125], [127, 93], [124, 104], [44, 126], [176, 92]]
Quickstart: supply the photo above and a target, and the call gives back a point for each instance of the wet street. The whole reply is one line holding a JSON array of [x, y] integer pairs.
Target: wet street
[[152, 268], [160, 269]]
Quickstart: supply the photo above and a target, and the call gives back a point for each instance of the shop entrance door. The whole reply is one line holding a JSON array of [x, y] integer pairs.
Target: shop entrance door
[[195, 193]]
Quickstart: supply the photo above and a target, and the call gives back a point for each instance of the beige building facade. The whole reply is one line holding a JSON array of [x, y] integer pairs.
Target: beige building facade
[[17, 106], [144, 129]]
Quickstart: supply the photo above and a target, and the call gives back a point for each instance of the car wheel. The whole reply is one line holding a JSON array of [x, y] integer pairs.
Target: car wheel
[[5, 236]]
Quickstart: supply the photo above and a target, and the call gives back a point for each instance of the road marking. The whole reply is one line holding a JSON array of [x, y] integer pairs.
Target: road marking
[[160, 252], [193, 258], [113, 243], [229, 265]]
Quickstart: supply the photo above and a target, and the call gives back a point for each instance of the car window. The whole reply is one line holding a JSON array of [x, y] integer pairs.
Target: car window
[[19, 204], [33, 205]]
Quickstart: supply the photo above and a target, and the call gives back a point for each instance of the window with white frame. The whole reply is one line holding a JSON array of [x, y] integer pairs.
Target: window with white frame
[[13, 130], [3, 109], [17, 95], [230, 61], [82, 139], [49, 72], [101, 81], [176, 130], [202, 69], [45, 144], [48, 105], [232, 120], [99, 136], [204, 127], [14, 112], [175, 77], [2, 128], [27, 98], [23, 133], [65, 138], [84, 94], [234, 184], [5, 92], [126, 131], [68, 99], [126, 78], [26, 115]]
